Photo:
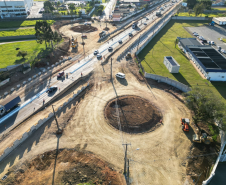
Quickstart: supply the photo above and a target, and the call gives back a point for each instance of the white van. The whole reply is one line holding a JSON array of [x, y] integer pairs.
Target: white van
[[120, 75]]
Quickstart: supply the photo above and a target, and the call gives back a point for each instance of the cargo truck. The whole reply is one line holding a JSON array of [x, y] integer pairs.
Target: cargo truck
[[7, 104]]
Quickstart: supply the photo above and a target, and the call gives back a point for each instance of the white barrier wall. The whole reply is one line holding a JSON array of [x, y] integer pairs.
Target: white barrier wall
[[35, 127], [168, 81]]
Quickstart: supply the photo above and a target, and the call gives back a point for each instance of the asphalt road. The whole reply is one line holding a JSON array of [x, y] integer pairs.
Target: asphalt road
[[85, 66]]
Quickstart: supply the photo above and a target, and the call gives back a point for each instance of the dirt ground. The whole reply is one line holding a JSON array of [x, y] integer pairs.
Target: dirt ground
[[66, 167], [135, 114]]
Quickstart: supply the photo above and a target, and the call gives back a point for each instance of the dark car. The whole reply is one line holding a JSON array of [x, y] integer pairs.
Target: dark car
[[84, 36], [130, 34], [60, 74], [120, 41], [51, 89]]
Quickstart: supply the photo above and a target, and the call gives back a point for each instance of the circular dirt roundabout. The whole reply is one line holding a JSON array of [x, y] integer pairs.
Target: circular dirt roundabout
[[84, 29], [136, 114]]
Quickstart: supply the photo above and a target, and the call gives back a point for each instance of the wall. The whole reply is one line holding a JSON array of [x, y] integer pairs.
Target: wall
[[17, 37], [217, 76], [190, 18], [168, 81], [36, 126]]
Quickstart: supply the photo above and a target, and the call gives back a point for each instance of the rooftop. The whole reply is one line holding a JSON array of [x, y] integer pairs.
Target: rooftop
[[188, 41], [221, 18], [172, 61]]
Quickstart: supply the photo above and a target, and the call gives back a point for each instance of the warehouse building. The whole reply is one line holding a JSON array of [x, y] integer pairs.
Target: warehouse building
[[208, 60], [15, 8], [220, 20]]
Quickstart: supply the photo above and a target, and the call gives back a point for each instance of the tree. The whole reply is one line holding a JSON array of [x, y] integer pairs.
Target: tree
[[176, 42], [146, 6], [198, 9], [21, 54], [206, 106], [48, 7], [79, 13], [72, 7], [191, 3], [43, 32], [207, 4], [58, 4], [189, 12]]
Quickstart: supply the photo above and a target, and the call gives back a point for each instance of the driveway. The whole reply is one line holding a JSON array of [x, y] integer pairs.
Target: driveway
[[37, 5]]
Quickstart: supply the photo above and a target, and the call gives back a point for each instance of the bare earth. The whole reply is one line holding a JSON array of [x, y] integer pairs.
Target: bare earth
[[156, 157]]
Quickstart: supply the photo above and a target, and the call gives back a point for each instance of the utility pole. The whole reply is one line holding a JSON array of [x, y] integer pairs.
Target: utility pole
[[125, 159], [111, 69], [56, 120]]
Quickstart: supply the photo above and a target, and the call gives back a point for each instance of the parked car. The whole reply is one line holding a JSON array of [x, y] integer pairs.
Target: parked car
[[212, 42], [223, 51], [51, 89], [120, 75], [96, 52], [120, 41], [219, 48], [195, 34], [147, 19], [110, 48], [60, 74], [145, 23]]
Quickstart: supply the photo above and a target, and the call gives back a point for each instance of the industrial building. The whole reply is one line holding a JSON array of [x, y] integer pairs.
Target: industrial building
[[209, 61], [15, 8], [171, 64], [220, 20]]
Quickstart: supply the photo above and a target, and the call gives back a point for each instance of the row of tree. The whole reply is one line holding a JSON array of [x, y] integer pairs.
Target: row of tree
[[198, 6]]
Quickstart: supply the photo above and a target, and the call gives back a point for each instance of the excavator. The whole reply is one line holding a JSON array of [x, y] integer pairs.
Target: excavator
[[74, 43], [202, 138], [185, 124]]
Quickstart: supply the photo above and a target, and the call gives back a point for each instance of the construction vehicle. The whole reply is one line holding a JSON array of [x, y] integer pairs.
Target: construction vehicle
[[202, 138], [7, 104], [74, 43], [185, 124], [128, 56]]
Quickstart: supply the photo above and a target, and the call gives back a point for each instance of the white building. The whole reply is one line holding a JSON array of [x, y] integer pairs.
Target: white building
[[171, 64], [15, 8], [220, 20]]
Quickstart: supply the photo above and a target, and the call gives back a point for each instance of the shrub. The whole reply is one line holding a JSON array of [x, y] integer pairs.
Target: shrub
[[21, 53]]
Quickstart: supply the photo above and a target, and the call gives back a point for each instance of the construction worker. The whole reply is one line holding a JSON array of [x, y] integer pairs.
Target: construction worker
[[81, 74]]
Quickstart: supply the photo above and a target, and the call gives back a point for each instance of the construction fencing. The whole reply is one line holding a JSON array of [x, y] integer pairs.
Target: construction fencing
[[16, 143]]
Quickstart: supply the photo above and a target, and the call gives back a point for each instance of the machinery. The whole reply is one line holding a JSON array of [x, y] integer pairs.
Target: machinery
[[202, 138], [185, 124], [74, 43]]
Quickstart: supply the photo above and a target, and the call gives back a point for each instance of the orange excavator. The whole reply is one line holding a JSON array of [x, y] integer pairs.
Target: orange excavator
[[185, 124]]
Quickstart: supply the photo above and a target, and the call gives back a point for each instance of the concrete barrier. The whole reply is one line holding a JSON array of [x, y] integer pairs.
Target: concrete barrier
[[29, 79], [24, 82], [18, 86], [5, 93], [39, 73], [168, 81], [12, 89]]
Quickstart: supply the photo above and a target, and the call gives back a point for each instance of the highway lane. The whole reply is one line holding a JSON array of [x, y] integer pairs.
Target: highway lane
[[84, 66]]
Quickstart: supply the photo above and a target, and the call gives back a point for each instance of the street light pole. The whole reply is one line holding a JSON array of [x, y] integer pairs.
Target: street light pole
[[56, 119]]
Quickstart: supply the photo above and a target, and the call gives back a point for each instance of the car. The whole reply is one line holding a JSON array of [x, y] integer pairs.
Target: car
[[195, 34], [219, 48], [84, 36], [51, 89], [147, 19], [99, 56], [60, 74], [120, 41], [212, 42], [223, 51], [130, 34], [96, 52], [145, 23], [120, 75], [110, 48]]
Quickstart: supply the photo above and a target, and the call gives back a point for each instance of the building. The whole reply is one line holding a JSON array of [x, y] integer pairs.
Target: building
[[15, 8], [171, 64], [116, 17], [220, 20], [209, 61]]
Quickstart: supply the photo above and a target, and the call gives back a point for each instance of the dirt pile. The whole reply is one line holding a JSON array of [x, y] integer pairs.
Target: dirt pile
[[66, 167], [136, 114], [84, 29]]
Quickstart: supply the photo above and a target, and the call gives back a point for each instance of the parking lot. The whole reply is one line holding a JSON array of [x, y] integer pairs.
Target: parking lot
[[211, 33], [37, 5]]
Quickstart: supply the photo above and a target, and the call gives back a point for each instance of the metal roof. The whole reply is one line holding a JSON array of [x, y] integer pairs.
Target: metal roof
[[189, 41]]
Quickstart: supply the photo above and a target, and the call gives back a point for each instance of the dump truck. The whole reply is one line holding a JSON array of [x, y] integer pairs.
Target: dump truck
[[202, 138], [158, 13], [185, 124], [7, 104]]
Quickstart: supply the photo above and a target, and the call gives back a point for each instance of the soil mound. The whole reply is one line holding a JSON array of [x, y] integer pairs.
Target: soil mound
[[84, 29], [67, 167], [136, 114]]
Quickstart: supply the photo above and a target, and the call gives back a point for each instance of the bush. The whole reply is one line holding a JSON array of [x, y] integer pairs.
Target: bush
[[21, 53]]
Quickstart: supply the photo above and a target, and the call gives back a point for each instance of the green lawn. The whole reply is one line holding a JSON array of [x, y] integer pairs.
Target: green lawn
[[29, 31], [9, 52], [16, 24], [202, 15], [163, 45], [40, 0], [220, 8]]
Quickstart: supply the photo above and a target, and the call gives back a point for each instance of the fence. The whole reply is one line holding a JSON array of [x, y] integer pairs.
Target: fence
[[191, 18], [168, 81], [16, 143]]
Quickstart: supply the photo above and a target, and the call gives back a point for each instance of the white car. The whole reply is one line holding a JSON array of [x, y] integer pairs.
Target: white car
[[96, 52], [120, 75], [212, 42], [99, 56], [223, 51], [195, 34]]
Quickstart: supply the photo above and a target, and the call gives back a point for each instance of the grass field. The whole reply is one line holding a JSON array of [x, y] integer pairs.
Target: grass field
[[16, 24], [220, 8], [9, 52], [201, 15], [163, 45], [29, 31]]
